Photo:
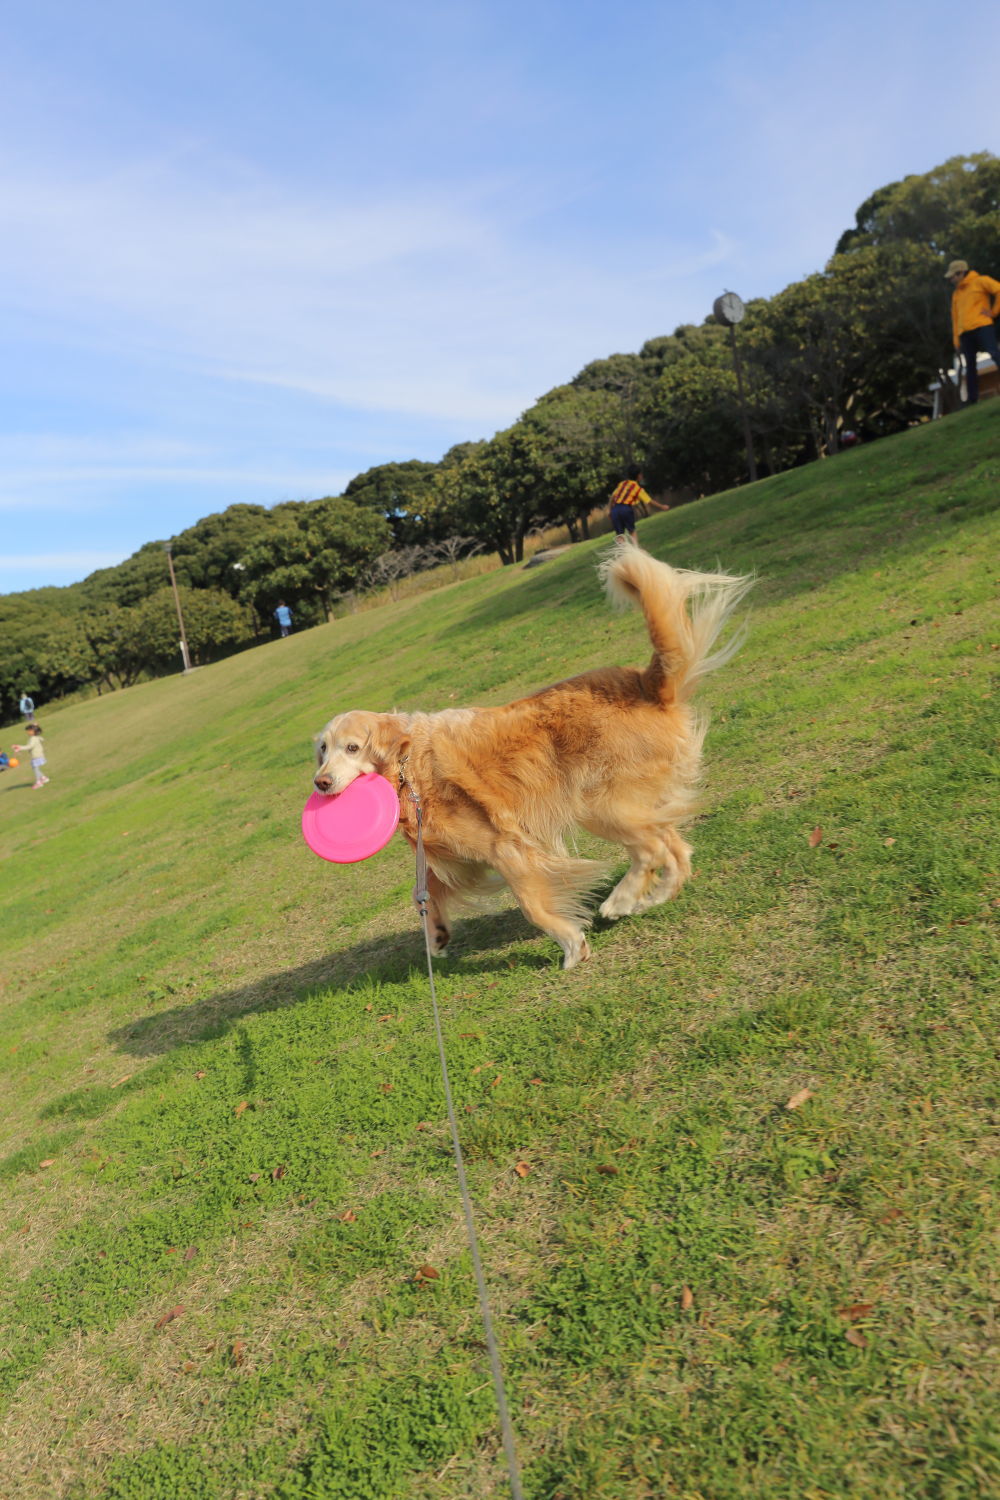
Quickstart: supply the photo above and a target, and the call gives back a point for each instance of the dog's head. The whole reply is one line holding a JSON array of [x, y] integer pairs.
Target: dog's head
[[354, 744]]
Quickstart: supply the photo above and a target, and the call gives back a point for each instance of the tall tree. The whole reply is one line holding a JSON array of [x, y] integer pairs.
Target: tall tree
[[498, 490], [941, 209], [580, 438], [313, 552], [402, 493]]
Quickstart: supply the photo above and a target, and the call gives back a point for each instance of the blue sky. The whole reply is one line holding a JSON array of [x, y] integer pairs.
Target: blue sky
[[249, 250]]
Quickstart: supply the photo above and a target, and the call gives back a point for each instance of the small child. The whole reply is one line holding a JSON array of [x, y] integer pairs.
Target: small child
[[4, 760], [37, 752]]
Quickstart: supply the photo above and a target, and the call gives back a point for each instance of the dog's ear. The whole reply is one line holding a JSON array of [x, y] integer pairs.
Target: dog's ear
[[388, 738]]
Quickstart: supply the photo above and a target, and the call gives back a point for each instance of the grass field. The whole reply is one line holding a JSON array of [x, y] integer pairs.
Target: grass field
[[225, 1158]]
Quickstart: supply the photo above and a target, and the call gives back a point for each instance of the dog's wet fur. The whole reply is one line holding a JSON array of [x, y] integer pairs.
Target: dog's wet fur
[[616, 751]]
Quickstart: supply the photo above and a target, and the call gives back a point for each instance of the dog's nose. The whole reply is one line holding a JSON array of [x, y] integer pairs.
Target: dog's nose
[[322, 783]]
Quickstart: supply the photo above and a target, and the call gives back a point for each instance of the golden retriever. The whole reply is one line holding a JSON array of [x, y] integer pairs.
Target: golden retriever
[[616, 750]]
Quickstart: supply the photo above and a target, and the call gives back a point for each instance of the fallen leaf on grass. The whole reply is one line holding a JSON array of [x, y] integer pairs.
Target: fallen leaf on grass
[[855, 1310], [200, 1073], [536, 1081], [427, 1273], [888, 843], [856, 1337], [238, 1351], [348, 1217], [816, 837], [387, 1088], [190, 1252], [243, 1104], [278, 1173], [608, 1171], [123, 1079], [496, 1080], [49, 1162], [687, 1298], [188, 1366], [168, 1317], [797, 1100], [521, 1168]]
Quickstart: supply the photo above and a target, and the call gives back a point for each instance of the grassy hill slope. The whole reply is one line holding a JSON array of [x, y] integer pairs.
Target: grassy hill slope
[[225, 1158]]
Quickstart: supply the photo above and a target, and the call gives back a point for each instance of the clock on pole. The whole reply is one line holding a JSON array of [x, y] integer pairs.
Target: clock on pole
[[729, 309]]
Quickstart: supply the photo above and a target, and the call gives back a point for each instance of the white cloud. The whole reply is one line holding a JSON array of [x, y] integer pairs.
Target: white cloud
[[424, 301]]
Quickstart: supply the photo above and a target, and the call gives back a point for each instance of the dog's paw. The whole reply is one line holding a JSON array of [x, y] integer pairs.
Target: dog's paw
[[576, 953], [617, 905], [440, 938]]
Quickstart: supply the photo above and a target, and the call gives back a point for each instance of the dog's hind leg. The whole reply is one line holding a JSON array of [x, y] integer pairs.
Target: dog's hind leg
[[675, 869], [661, 862]]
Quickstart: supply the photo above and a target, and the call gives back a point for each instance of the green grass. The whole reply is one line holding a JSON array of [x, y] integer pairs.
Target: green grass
[[219, 1088]]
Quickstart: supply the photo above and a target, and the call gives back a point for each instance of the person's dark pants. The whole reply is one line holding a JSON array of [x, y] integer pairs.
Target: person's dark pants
[[970, 343], [623, 519]]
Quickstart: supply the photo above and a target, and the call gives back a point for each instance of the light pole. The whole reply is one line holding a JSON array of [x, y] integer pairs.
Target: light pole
[[185, 653], [729, 311]]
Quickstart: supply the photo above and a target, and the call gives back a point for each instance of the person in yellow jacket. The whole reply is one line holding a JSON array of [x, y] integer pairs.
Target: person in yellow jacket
[[975, 302]]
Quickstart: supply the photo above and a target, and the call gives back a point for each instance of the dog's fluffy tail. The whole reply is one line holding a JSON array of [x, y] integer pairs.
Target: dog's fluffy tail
[[685, 613]]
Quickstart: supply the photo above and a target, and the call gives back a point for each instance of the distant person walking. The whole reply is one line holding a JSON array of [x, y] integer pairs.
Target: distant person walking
[[975, 302], [624, 500], [283, 615], [36, 750], [27, 707]]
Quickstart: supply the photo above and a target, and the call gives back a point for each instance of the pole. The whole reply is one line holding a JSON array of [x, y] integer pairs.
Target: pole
[[185, 653], [751, 461]]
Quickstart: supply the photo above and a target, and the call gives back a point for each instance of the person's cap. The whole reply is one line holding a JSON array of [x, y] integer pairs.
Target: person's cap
[[957, 267]]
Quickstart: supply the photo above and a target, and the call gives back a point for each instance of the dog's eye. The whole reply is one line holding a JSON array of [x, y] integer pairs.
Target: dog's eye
[[352, 749]]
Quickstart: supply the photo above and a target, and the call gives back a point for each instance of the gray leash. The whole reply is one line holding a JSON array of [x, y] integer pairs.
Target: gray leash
[[422, 896]]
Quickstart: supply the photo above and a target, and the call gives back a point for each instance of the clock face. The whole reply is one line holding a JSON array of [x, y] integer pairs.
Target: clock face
[[731, 307]]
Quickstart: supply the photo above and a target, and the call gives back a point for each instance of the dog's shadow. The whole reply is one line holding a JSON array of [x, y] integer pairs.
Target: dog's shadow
[[476, 951]]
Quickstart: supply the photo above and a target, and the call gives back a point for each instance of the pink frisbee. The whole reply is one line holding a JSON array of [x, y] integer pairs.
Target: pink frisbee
[[355, 824]]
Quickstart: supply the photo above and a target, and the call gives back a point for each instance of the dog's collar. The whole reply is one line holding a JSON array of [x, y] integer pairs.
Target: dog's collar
[[404, 780]]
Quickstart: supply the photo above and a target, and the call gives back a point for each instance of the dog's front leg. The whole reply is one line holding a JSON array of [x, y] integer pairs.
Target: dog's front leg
[[439, 927], [548, 898]]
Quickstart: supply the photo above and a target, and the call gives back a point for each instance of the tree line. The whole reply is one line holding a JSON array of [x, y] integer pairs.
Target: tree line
[[851, 348]]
